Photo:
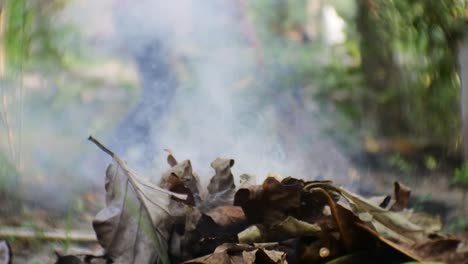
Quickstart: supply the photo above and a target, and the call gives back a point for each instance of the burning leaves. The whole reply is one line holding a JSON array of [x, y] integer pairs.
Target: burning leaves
[[280, 221]]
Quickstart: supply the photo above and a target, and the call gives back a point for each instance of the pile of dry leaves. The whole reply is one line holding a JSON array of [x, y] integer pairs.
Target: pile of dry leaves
[[282, 220]]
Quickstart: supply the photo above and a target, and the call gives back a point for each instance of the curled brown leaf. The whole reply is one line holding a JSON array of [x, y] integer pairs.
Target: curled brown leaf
[[271, 202]]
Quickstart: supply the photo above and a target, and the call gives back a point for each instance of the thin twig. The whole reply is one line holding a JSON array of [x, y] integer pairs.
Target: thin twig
[[101, 146], [56, 234]]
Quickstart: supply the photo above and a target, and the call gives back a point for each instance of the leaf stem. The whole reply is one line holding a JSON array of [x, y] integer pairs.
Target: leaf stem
[[101, 146]]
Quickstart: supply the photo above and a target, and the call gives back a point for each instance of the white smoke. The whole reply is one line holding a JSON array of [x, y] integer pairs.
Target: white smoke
[[211, 116], [215, 112]]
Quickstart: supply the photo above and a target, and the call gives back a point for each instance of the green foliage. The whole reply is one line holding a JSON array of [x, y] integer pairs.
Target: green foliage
[[17, 20], [459, 224], [402, 79], [396, 161], [395, 76], [461, 176], [430, 162], [31, 34], [427, 35]]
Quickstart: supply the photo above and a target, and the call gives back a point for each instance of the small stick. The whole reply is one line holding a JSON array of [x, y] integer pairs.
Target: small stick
[[101, 146], [57, 234]]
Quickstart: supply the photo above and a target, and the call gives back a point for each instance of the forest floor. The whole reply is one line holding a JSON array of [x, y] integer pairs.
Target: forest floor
[[430, 193]]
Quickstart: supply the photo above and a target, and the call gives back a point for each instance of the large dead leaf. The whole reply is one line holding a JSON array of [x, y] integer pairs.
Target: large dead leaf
[[352, 237], [398, 223], [135, 224]]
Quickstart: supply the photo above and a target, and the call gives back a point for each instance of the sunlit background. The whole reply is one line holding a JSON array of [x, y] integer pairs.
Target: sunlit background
[[361, 92]]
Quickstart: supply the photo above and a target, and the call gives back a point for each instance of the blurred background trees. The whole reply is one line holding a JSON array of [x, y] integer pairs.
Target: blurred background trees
[[409, 64], [49, 75], [394, 78], [26, 41]]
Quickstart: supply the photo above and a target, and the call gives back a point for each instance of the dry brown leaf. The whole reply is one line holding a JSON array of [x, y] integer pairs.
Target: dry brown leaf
[[124, 228], [395, 221], [221, 188], [223, 180], [441, 249], [431, 223], [265, 256], [352, 237], [270, 203], [202, 234], [181, 177], [171, 158], [400, 248], [241, 254], [135, 224], [402, 195], [226, 216], [250, 235], [214, 258]]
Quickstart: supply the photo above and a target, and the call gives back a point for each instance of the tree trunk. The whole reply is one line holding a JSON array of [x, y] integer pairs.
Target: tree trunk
[[463, 64], [382, 101]]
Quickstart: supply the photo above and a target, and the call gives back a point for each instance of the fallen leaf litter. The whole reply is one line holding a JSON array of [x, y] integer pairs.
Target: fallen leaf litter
[[282, 220]]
